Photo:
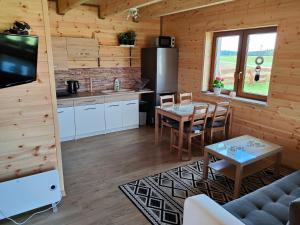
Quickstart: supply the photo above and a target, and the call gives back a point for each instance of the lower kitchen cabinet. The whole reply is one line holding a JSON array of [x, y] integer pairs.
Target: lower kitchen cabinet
[[89, 117], [89, 120], [130, 114], [66, 123], [113, 116]]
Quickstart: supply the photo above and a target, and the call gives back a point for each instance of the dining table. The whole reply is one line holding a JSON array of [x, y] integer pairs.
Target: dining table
[[182, 113]]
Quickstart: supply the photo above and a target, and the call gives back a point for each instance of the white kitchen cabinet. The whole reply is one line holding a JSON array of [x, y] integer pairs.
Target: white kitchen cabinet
[[130, 114], [89, 120], [66, 123], [113, 116]]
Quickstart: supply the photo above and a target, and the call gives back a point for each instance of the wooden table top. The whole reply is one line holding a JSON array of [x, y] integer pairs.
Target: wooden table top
[[243, 150]]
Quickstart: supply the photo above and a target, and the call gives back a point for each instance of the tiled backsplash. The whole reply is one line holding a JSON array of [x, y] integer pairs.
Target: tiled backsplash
[[103, 78]]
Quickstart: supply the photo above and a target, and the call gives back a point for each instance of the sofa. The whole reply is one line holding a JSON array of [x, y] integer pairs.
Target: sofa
[[275, 204]]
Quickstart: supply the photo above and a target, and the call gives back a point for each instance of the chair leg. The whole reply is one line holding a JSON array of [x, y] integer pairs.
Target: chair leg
[[211, 136], [190, 147], [202, 140], [171, 140], [224, 133], [161, 131]]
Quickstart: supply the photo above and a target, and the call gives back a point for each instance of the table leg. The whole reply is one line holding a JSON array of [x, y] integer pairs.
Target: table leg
[[157, 123], [180, 139], [205, 165], [277, 165], [238, 181]]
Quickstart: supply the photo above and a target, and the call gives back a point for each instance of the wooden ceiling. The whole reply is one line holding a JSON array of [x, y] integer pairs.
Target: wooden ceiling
[[148, 8]]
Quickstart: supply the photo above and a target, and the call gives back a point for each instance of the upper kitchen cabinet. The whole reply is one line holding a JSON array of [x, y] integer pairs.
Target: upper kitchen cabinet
[[60, 56], [82, 52]]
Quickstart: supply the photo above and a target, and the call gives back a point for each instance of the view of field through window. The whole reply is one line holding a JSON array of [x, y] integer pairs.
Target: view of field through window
[[259, 45]]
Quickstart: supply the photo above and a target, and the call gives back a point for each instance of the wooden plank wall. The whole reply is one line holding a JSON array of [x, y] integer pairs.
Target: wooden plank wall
[[279, 121], [27, 121], [84, 22]]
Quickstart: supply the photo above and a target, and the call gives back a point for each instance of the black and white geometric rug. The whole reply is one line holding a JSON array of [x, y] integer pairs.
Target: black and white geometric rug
[[161, 197]]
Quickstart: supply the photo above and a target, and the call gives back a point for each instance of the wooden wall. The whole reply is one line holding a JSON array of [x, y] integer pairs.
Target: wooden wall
[[27, 122], [279, 121], [84, 22]]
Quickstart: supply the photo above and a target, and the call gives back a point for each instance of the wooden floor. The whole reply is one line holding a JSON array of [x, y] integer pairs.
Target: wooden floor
[[95, 167]]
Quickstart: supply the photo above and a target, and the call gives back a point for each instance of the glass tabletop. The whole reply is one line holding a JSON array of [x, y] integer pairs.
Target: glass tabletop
[[185, 109], [244, 149]]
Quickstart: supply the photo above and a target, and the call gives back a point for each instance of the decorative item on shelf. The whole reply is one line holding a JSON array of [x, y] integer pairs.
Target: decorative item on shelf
[[123, 39], [19, 27], [131, 37], [218, 85], [133, 13], [127, 38]]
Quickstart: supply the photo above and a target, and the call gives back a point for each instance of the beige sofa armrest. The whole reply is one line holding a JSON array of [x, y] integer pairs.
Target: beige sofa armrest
[[202, 210]]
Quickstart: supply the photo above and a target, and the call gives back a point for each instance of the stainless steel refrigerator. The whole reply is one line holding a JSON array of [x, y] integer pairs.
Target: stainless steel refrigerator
[[160, 67]]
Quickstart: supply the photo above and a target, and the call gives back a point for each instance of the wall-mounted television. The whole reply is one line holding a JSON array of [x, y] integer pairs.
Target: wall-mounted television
[[18, 59]]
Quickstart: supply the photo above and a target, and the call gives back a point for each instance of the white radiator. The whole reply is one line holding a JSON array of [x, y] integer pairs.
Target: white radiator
[[27, 193]]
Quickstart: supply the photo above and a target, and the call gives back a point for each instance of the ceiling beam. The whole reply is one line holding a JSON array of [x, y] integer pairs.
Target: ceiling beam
[[64, 6], [111, 7], [168, 7]]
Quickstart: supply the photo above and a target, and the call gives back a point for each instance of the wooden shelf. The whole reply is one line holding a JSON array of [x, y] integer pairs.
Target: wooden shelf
[[120, 57], [118, 46], [223, 167], [113, 58]]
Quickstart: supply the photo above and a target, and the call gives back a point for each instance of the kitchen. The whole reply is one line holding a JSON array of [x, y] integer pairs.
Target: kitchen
[[100, 85]]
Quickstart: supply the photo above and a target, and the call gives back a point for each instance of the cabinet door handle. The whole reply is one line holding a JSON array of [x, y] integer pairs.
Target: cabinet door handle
[[132, 103], [90, 109], [113, 105], [90, 101], [60, 112]]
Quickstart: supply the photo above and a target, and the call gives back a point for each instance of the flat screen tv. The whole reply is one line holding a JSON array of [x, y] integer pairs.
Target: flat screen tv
[[18, 59]]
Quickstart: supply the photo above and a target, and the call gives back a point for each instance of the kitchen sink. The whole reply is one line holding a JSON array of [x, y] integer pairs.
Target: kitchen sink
[[117, 92]]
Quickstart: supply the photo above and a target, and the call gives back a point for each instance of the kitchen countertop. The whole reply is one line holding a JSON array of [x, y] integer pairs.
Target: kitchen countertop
[[99, 93]]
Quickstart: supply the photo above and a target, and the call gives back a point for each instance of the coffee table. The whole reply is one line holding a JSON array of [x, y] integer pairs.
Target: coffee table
[[241, 157]]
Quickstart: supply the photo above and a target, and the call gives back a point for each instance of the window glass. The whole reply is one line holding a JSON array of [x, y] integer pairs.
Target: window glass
[[226, 59], [258, 65]]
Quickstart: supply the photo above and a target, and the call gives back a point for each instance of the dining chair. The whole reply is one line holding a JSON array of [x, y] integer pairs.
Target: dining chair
[[186, 97], [166, 100], [195, 127], [219, 120]]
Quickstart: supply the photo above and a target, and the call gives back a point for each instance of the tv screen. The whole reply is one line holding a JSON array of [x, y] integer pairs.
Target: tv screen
[[18, 59]]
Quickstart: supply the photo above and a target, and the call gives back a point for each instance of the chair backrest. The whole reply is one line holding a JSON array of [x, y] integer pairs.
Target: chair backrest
[[221, 112], [199, 116], [185, 97], [167, 100]]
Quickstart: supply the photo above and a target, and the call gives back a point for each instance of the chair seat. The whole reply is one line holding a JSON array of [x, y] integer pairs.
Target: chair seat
[[169, 121], [195, 129], [216, 123]]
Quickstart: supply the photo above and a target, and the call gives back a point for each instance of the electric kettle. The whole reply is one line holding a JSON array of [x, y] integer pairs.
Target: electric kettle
[[73, 86]]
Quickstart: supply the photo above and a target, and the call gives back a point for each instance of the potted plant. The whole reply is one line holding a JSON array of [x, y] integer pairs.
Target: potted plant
[[131, 35], [123, 38], [218, 85]]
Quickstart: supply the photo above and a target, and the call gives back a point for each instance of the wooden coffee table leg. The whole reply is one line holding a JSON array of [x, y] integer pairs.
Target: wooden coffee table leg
[[238, 181], [278, 163], [205, 166]]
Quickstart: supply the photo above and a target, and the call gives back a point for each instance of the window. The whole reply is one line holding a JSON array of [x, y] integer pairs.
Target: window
[[244, 59]]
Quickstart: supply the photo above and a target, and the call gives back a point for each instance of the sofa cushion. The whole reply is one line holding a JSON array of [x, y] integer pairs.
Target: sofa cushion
[[268, 205], [294, 212]]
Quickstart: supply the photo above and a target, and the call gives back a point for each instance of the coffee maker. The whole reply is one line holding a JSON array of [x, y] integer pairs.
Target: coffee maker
[[73, 86]]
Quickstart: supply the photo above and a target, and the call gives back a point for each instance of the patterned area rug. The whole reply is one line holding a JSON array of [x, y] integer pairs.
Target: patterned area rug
[[161, 197]]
